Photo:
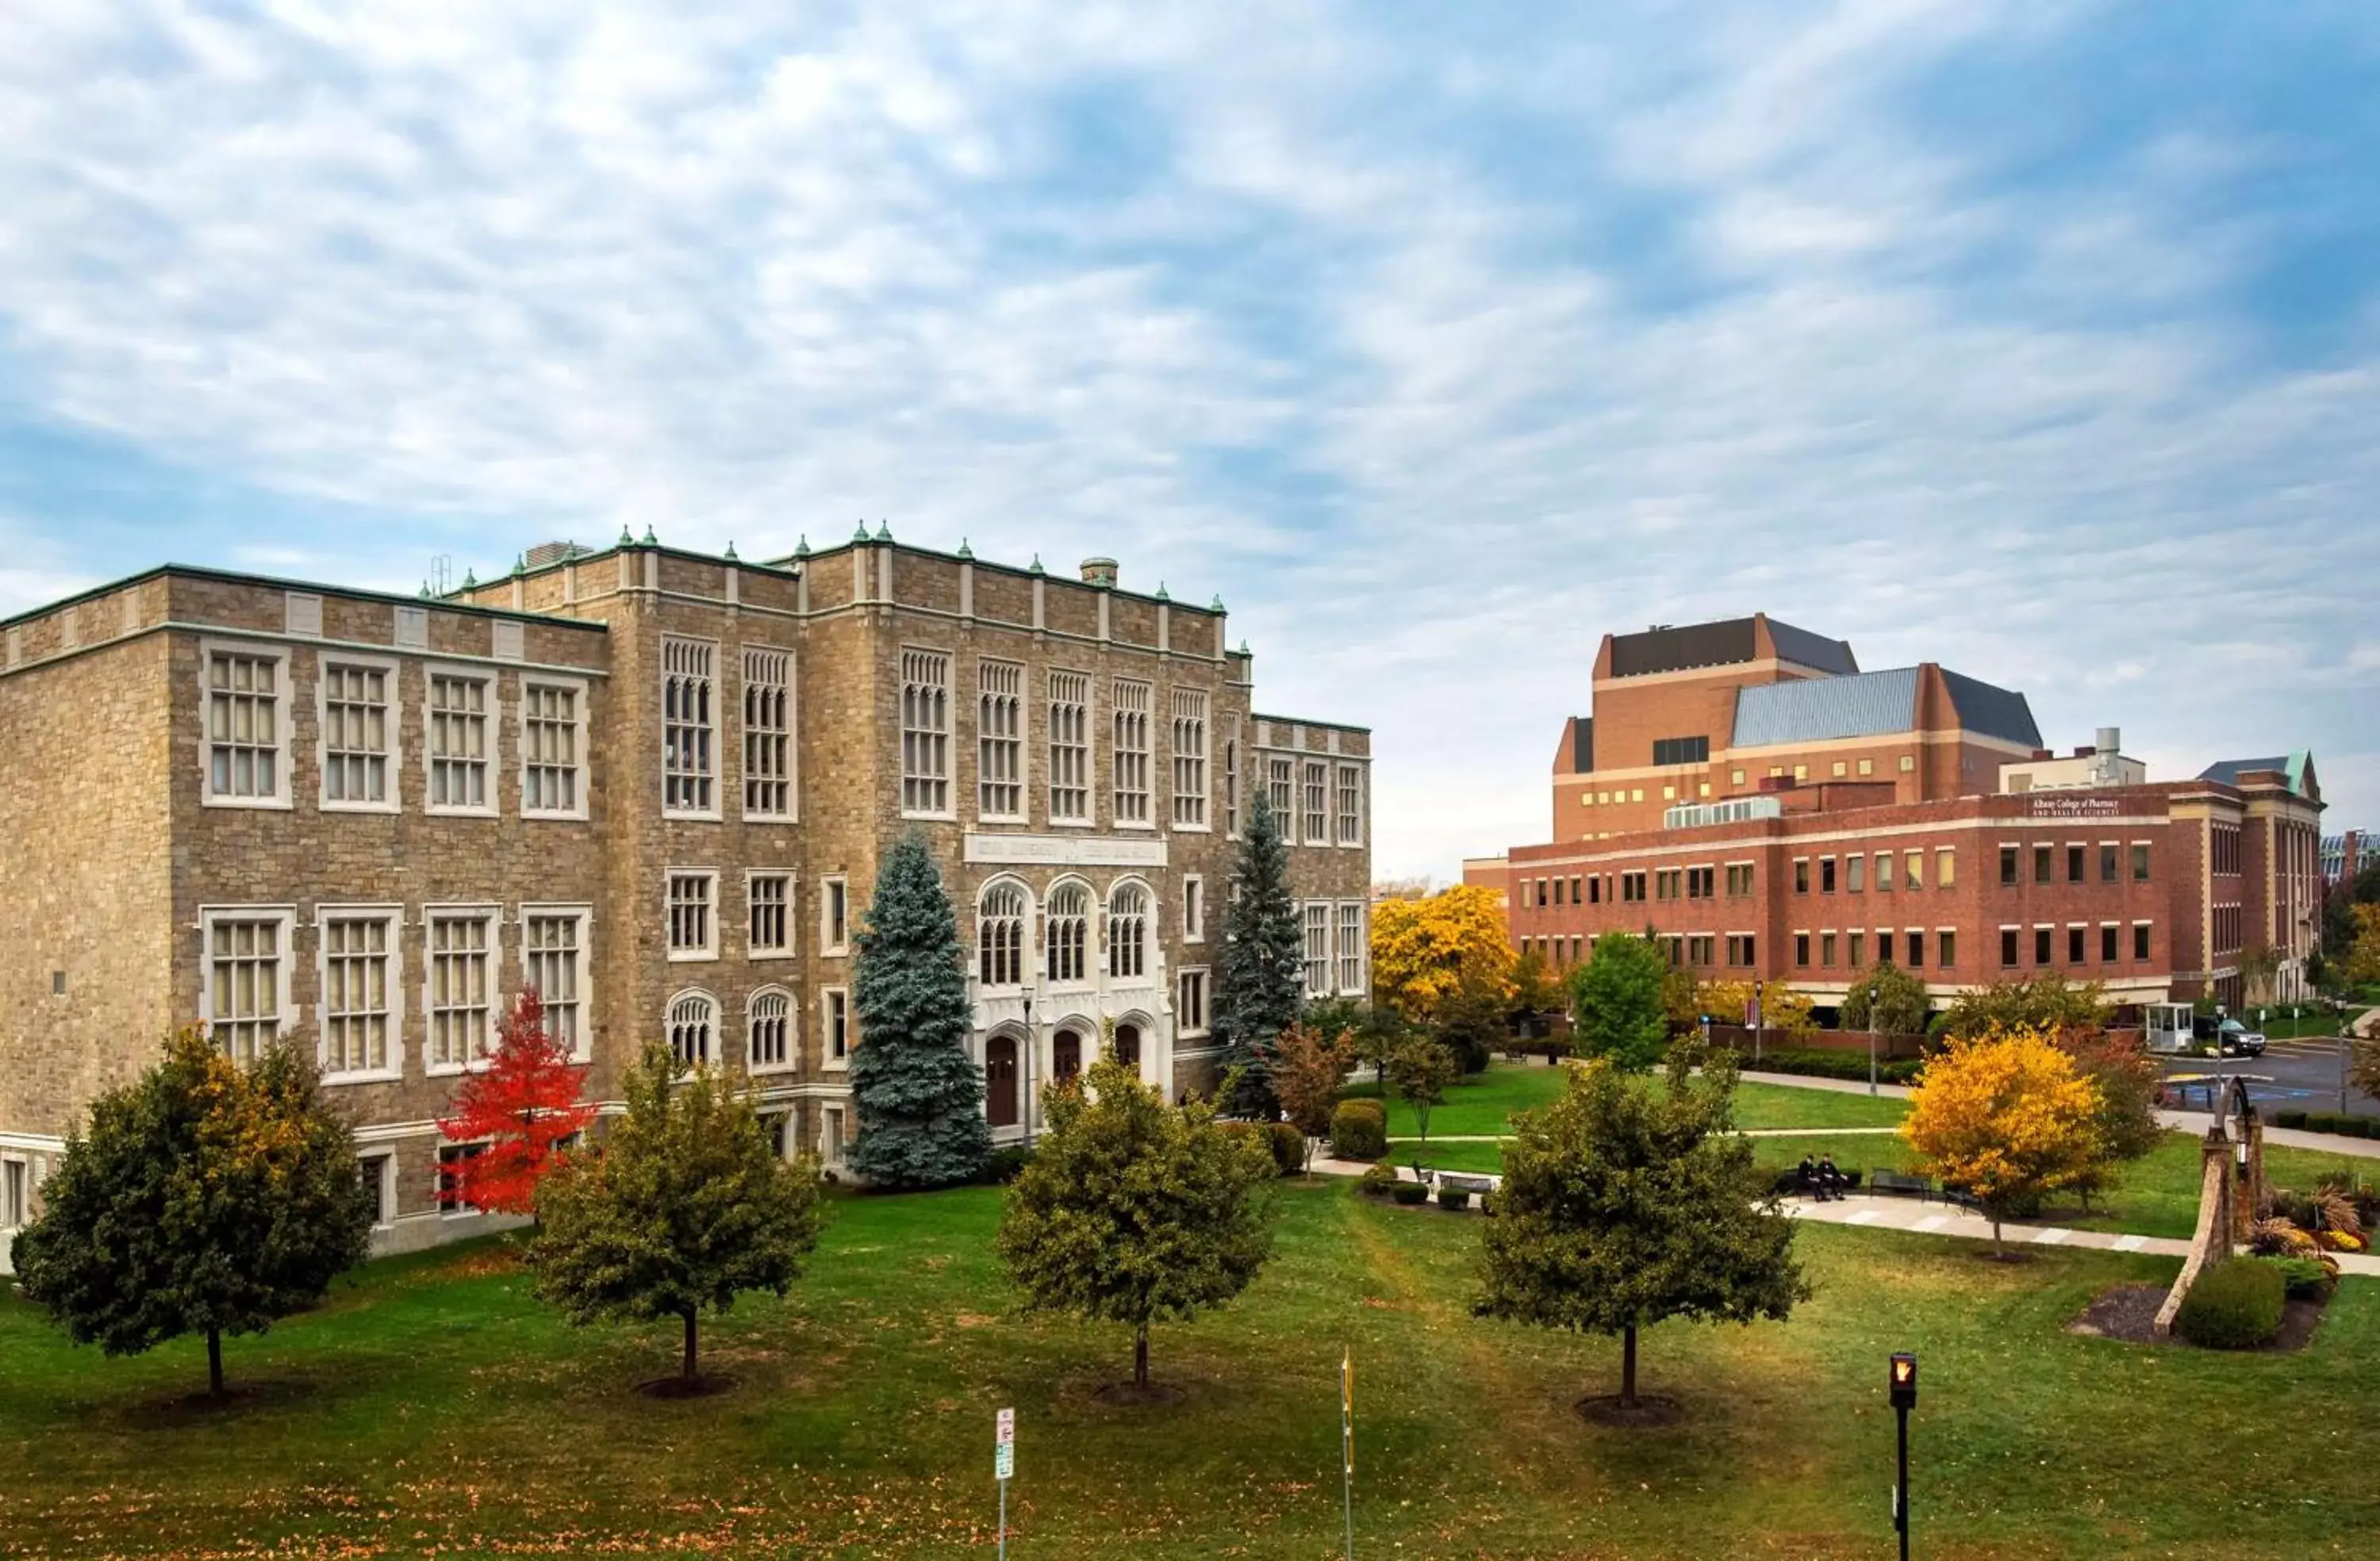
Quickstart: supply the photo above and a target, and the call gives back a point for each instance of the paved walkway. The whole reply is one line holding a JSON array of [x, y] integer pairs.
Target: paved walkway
[[1417, 1145], [1949, 1219]]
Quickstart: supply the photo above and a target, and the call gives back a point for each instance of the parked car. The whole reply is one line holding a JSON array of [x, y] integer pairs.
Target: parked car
[[2231, 1038]]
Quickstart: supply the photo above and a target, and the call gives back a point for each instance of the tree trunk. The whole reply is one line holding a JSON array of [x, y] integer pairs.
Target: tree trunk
[[1140, 1356], [1628, 1367], [1997, 1250], [687, 1370], [215, 1364]]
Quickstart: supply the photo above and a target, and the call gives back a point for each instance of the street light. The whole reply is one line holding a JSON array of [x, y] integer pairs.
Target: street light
[[1759, 1018], [1904, 1399], [1032, 1045]]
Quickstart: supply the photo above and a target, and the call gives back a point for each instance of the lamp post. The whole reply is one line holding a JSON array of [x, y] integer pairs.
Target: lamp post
[[1759, 1018], [1871, 1038], [1032, 1045], [1904, 1399], [2338, 1022]]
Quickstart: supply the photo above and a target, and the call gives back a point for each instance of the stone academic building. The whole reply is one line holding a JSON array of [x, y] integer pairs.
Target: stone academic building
[[654, 785]]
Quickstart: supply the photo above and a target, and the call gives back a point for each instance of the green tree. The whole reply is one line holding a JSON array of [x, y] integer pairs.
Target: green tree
[[2126, 1082], [204, 1198], [1133, 1211], [1896, 998], [2048, 1002], [1623, 1206], [919, 1097], [1617, 1007], [683, 1208], [1260, 977], [1474, 1019], [1422, 1071]]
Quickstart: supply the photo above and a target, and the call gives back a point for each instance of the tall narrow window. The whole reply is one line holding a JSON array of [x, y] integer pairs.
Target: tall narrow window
[[834, 915], [244, 727], [1132, 753], [1194, 908], [1317, 949], [693, 1021], [925, 732], [354, 735], [1231, 787], [1069, 932], [356, 1008], [834, 1019], [458, 743], [693, 926], [1189, 759], [999, 740], [247, 981], [1281, 790], [768, 1026], [1351, 804], [768, 732], [1318, 802], [689, 723], [1128, 932], [999, 935], [1351, 948], [553, 950], [461, 946], [769, 899], [1070, 748], [550, 749], [1190, 1003]]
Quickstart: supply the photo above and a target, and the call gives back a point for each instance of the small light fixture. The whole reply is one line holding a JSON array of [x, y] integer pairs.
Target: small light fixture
[[1905, 1381]]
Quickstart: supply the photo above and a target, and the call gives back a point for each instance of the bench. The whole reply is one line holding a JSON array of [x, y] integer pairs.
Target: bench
[[1789, 1181], [1465, 1181], [1898, 1183]]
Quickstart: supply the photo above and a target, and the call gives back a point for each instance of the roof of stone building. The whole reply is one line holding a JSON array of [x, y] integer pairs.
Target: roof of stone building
[[1871, 705]]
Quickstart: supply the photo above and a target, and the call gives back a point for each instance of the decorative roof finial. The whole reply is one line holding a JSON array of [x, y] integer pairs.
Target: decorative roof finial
[[1217, 606], [964, 552], [860, 535], [1161, 593], [627, 538], [802, 548], [731, 550], [520, 565], [469, 582], [648, 541], [1243, 647], [883, 532], [1037, 565]]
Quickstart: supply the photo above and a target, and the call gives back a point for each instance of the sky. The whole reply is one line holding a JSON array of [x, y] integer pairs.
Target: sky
[[2040, 340]]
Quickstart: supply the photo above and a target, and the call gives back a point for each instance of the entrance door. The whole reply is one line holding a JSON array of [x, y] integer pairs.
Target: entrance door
[[1067, 1054], [1127, 1045], [1000, 1079]]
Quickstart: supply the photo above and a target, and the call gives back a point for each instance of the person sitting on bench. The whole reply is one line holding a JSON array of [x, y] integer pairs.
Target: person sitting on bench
[[1830, 1180], [1808, 1177]]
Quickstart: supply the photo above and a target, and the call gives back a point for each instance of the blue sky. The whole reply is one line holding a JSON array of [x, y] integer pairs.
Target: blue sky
[[2040, 340]]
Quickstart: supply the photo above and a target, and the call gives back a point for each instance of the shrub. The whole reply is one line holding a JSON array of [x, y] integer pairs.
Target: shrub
[[2334, 1210], [2339, 1240], [1003, 1164], [2289, 1119], [1288, 1145], [1815, 1063], [2278, 1237], [1377, 1179], [2303, 1278], [1409, 1192], [2235, 1306], [1454, 1197], [1359, 1130]]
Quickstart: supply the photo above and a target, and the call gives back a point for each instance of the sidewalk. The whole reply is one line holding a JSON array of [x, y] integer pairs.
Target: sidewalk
[[1925, 1219]]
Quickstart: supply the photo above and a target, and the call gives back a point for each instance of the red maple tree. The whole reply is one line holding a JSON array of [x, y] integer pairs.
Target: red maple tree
[[523, 1105]]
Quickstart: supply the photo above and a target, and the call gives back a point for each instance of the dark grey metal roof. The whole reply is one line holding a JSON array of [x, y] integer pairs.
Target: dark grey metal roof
[[1582, 747], [1673, 651], [1992, 710], [1813, 650], [1815, 709], [2227, 772]]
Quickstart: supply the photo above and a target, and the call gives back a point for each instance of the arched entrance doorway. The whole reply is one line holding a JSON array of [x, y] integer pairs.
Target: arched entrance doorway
[[1127, 1045], [999, 1080], [1066, 1055]]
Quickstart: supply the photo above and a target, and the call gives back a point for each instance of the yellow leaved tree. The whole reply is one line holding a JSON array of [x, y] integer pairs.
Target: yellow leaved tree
[[2006, 1116], [1784, 1012], [1423, 951]]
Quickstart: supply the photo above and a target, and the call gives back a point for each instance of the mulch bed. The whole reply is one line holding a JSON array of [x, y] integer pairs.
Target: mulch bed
[[1648, 1412], [2128, 1311], [683, 1387], [1132, 1395]]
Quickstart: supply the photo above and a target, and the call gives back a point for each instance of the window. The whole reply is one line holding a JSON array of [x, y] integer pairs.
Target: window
[[768, 732], [1193, 909], [1132, 714], [1632, 887], [834, 1024], [2140, 862], [1883, 946], [999, 740], [830, 1139], [1128, 931], [2008, 867], [1594, 890], [1317, 949], [245, 732], [378, 1173], [1070, 748], [1800, 875], [926, 733], [357, 1018], [15, 1204], [1558, 891], [2041, 863], [1858, 950], [1232, 788], [1698, 950], [1945, 867], [1946, 949], [1907, 763], [1351, 804], [1351, 948], [767, 1028], [1701, 882], [688, 765], [768, 902], [1827, 949], [1826, 875], [2140, 941], [1189, 759], [2041, 945], [452, 1158], [1740, 949], [2007, 947], [2074, 945], [1802, 948], [692, 1022], [1840, 770], [693, 929], [1854, 873], [2107, 943], [1668, 883], [1681, 750], [1069, 932], [246, 978], [1674, 947], [1317, 803], [1000, 935], [1537, 888], [1801, 772], [550, 746], [1916, 949], [1281, 790], [1735, 778], [1190, 1002], [834, 915], [1884, 872], [554, 960], [354, 735], [2107, 861], [457, 747], [2074, 864], [1739, 877], [1867, 767], [461, 946]]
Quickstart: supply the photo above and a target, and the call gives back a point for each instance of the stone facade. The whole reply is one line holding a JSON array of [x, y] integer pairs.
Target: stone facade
[[365, 821]]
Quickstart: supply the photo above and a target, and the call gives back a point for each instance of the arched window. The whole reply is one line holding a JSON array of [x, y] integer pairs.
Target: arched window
[[999, 935], [693, 1019], [767, 1028], [1070, 932], [1128, 931]]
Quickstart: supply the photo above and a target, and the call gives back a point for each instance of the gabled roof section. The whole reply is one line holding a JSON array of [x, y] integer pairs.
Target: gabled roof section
[[2297, 766], [1992, 710], [1818, 709], [1804, 648], [1724, 643]]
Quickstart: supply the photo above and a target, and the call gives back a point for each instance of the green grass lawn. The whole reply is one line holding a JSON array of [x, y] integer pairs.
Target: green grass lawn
[[1483, 1103], [433, 1405], [2279, 1026]]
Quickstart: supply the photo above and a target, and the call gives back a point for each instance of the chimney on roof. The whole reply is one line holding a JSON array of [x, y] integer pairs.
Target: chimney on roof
[[2083, 750], [1099, 572]]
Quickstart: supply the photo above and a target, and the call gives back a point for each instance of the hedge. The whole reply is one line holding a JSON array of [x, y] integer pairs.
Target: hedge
[[1359, 1130], [1281, 1141], [1821, 1064], [2335, 1122], [2289, 1119], [1409, 1192], [2235, 1306]]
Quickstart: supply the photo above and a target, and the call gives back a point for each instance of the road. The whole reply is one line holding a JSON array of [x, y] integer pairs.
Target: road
[[2304, 1075]]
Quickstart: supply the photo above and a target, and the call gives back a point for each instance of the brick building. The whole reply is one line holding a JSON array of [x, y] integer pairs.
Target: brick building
[[1801, 820], [652, 783]]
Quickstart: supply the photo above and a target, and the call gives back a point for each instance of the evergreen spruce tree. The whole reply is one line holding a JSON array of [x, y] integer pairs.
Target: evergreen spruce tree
[[919, 1097], [1260, 979]]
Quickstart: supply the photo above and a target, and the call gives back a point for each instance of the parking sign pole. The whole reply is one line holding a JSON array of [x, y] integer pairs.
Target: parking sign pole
[[1003, 1465]]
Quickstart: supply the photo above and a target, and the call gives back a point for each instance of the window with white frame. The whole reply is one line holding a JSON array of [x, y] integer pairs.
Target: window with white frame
[[1070, 748], [1351, 804], [768, 732], [999, 740], [459, 946], [1190, 1003], [769, 899], [1351, 948], [246, 978], [16, 1197], [247, 733], [1189, 759], [926, 733], [834, 915], [1232, 788], [1128, 931], [1193, 909], [356, 735], [767, 1028], [378, 1174], [552, 750], [456, 743], [834, 1025], [359, 949], [690, 726], [452, 1158], [1281, 790], [831, 1134], [1317, 949], [553, 963], [692, 1026], [1132, 753], [1000, 935], [1318, 802], [692, 899], [1069, 932]]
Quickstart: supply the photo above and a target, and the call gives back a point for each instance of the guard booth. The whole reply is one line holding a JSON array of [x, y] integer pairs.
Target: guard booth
[[2166, 1027]]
